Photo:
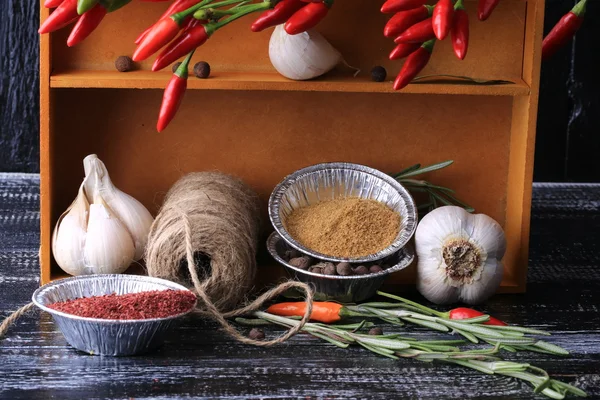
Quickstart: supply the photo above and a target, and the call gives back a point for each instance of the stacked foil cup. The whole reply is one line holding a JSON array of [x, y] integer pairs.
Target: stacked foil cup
[[334, 181]]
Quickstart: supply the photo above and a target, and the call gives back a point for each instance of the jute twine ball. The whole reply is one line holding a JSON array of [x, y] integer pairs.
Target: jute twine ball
[[224, 217]]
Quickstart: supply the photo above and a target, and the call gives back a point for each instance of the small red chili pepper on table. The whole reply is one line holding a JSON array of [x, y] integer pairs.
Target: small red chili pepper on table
[[442, 18], [460, 31], [86, 24], [466, 313], [485, 8], [403, 20], [414, 64], [173, 94], [307, 17], [278, 15], [564, 30], [394, 6]]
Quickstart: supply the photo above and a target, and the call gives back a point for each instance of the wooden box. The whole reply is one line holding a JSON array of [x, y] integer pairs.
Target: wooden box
[[249, 121]]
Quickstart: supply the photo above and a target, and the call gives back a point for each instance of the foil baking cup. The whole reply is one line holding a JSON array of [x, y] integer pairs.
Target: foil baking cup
[[345, 289], [107, 337], [331, 181]]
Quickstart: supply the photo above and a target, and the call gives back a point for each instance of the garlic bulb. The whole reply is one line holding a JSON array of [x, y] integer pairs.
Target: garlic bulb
[[136, 218], [104, 230], [303, 56], [459, 256]]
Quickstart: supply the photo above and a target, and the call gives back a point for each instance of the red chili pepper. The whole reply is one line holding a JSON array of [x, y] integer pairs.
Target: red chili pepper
[[175, 7], [418, 33], [394, 6], [414, 64], [86, 24], [64, 14], [442, 18], [186, 42], [161, 33], [403, 20], [173, 94], [564, 30], [466, 313], [460, 32], [485, 8], [322, 311], [278, 15], [52, 3], [307, 17], [403, 50]]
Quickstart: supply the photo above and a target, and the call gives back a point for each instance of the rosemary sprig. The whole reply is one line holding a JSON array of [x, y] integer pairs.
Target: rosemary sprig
[[394, 346], [438, 195]]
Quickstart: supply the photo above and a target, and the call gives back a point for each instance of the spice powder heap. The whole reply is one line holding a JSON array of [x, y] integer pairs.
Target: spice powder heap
[[142, 305], [348, 228]]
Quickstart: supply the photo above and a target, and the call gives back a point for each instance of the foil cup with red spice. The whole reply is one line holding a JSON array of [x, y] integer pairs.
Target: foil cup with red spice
[[109, 337]]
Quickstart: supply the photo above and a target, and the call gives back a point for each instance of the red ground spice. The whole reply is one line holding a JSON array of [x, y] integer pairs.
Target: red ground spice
[[142, 305]]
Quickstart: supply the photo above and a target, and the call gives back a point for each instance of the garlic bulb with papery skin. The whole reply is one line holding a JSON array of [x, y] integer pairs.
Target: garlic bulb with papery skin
[[459, 256], [104, 230], [303, 56], [136, 218]]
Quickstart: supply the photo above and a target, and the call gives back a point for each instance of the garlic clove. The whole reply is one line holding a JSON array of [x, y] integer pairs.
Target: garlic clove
[[438, 225], [303, 56], [109, 248], [68, 238], [481, 289], [489, 235], [432, 284], [134, 216]]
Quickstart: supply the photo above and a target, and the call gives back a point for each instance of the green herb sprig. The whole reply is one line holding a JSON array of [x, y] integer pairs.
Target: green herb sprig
[[438, 195]]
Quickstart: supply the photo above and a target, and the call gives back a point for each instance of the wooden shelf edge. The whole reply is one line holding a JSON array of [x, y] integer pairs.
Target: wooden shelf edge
[[83, 79]]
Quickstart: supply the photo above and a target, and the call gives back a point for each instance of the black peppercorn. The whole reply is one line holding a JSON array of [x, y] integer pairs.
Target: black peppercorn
[[175, 66], [329, 269], [123, 64], [378, 74], [344, 269], [376, 331], [316, 269], [202, 69], [256, 334], [361, 270], [291, 253]]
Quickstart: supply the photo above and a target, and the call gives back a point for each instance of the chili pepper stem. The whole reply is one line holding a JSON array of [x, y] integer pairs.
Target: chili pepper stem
[[459, 5], [579, 8], [182, 70]]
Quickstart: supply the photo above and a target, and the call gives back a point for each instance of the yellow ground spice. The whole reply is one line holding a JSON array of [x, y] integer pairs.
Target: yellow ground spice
[[349, 228]]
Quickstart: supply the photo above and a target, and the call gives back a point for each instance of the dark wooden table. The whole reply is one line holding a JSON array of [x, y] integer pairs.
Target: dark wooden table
[[199, 362]]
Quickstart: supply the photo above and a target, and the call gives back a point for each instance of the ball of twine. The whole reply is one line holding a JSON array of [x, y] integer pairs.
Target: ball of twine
[[215, 215]]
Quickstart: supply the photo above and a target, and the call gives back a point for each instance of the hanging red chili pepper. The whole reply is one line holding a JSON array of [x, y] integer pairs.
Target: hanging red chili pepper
[[466, 313], [64, 14], [485, 8], [278, 15], [86, 24], [186, 42], [52, 3], [564, 30], [403, 50], [460, 31], [394, 6], [442, 17], [418, 33], [173, 94], [307, 17], [175, 7], [161, 33], [414, 64], [403, 20]]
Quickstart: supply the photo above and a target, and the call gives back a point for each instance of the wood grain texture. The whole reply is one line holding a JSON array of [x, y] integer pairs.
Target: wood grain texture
[[19, 102], [199, 362]]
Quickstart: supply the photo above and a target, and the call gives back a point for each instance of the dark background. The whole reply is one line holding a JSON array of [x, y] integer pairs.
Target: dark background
[[568, 141]]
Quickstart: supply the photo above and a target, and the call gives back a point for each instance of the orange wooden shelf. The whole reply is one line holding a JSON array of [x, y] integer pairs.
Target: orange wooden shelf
[[274, 81]]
